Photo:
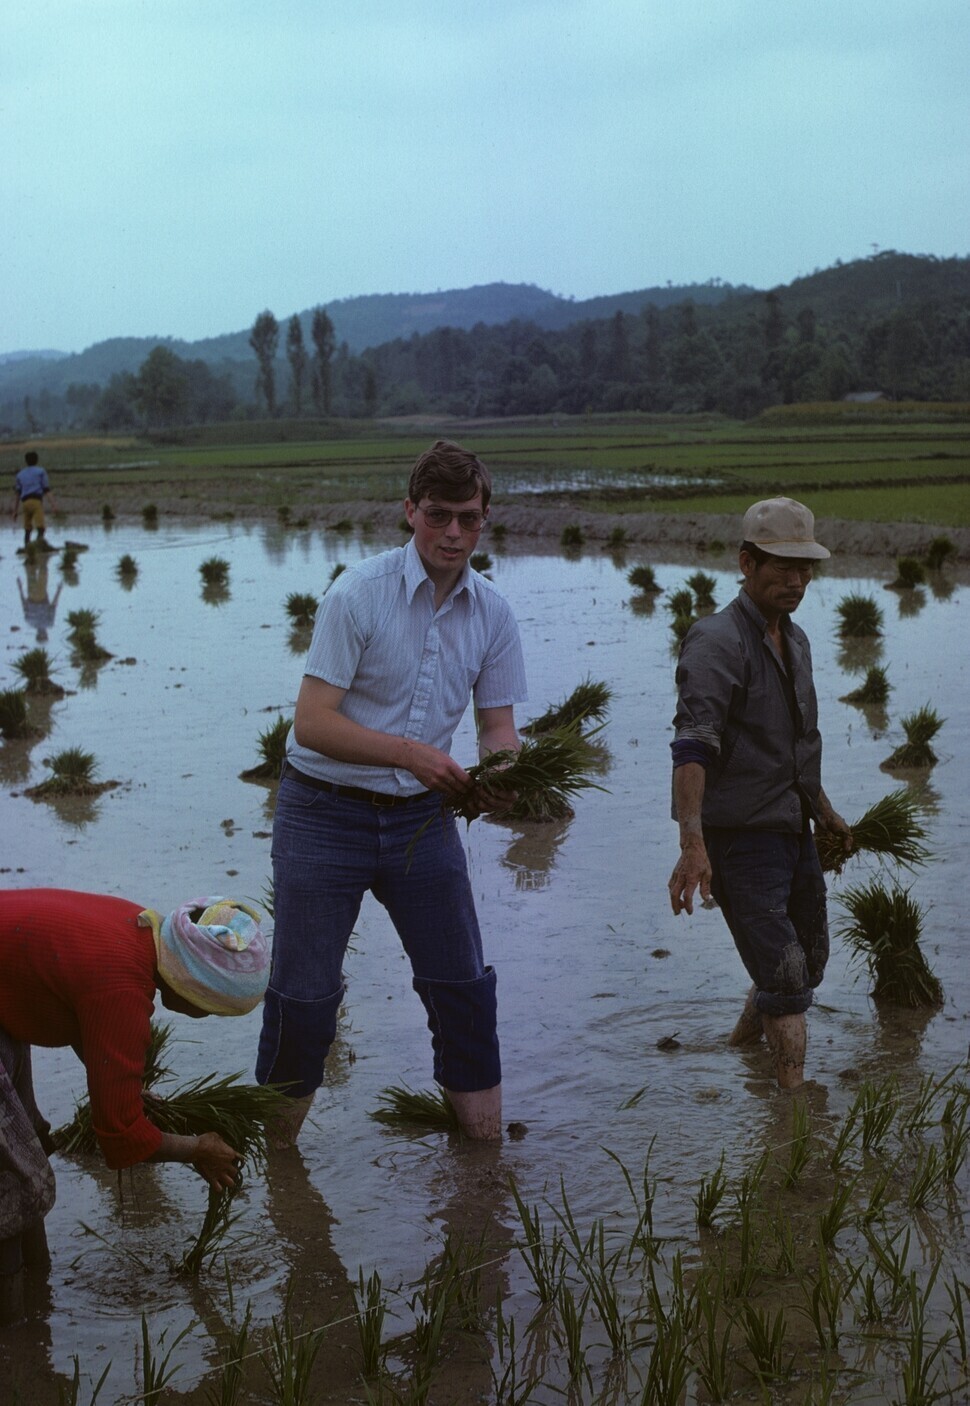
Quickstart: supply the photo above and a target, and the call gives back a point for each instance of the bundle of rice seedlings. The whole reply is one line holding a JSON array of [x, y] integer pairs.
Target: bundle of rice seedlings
[[127, 567], [874, 689], [589, 702], [107, 513], [86, 647], [909, 573], [149, 515], [617, 540], [643, 578], [884, 933], [338, 570], [859, 617], [572, 536], [301, 608], [681, 602], [703, 587], [681, 623], [272, 748], [69, 559], [214, 571], [72, 774], [481, 561], [405, 1109], [34, 667], [82, 621], [497, 531], [920, 729], [891, 827], [939, 550], [14, 721]]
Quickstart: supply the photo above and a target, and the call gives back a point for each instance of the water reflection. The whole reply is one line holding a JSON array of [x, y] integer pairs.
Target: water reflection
[[216, 593], [855, 656], [38, 609], [911, 602], [533, 850]]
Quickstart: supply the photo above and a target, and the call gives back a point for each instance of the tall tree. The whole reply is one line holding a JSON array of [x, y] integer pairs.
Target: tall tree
[[324, 341], [297, 357], [264, 339], [774, 321], [161, 387]]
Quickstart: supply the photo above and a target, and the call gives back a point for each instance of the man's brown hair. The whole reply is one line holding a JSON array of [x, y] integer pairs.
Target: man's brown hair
[[448, 472]]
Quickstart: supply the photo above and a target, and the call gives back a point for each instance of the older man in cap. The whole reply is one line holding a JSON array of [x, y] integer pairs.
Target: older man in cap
[[748, 782]]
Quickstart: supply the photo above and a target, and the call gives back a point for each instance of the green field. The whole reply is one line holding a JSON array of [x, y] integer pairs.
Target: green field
[[877, 467]]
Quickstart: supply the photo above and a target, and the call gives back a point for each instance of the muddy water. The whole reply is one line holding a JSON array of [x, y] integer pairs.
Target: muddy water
[[593, 969]]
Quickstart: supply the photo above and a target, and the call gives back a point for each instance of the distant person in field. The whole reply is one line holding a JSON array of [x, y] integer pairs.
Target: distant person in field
[[402, 642], [747, 783], [31, 487]]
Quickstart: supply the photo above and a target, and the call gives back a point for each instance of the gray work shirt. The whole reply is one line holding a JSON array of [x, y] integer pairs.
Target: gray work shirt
[[761, 721]]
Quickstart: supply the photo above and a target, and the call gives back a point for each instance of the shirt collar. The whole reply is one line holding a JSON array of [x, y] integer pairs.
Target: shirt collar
[[415, 575], [747, 604]]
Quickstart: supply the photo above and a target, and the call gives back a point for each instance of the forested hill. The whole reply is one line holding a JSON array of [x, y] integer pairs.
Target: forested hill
[[896, 324], [360, 322]]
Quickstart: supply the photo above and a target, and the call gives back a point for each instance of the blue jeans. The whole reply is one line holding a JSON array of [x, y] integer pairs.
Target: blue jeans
[[770, 888], [328, 851]]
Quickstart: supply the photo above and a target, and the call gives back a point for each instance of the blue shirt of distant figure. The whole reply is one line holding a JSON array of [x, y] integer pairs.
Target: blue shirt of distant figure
[[32, 482]]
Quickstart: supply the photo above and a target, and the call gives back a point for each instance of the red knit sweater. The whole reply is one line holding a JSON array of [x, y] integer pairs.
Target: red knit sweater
[[75, 969]]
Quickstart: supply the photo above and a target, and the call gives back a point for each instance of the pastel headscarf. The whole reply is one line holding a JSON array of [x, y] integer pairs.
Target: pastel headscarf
[[220, 962]]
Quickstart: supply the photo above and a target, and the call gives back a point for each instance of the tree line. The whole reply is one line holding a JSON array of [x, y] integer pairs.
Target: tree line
[[738, 358]]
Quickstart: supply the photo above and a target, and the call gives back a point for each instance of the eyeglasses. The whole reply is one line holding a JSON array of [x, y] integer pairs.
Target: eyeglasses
[[470, 521]]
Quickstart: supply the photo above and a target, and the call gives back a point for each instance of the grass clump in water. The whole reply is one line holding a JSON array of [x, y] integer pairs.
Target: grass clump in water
[[890, 828], [544, 776], [214, 571], [149, 515], [405, 1109], [301, 607], [481, 561], [874, 689], [572, 535], [859, 617], [617, 540], [884, 931], [14, 720], [909, 573], [588, 703], [72, 774], [127, 568], [643, 578], [272, 749], [107, 513], [34, 667], [939, 551], [702, 586], [920, 729]]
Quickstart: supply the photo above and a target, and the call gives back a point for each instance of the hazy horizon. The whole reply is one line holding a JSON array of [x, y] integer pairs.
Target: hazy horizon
[[172, 170]]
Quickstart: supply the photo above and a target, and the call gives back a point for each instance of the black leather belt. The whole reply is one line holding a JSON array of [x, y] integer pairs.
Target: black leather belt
[[352, 793]]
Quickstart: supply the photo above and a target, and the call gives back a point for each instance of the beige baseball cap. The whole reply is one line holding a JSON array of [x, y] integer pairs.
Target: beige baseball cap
[[783, 528]]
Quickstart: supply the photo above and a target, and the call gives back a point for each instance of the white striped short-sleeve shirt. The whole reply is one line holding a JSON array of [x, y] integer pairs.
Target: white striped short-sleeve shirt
[[409, 670]]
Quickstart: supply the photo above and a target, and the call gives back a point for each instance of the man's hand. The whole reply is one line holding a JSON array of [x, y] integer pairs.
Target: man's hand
[[830, 820], [436, 770], [216, 1161], [693, 870]]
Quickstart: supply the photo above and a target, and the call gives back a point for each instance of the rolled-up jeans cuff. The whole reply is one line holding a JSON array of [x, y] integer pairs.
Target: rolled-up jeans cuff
[[462, 1018], [295, 1040]]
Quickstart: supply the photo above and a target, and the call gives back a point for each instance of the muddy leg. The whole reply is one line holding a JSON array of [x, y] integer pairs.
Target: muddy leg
[[749, 1028], [786, 1034], [285, 1131], [480, 1114]]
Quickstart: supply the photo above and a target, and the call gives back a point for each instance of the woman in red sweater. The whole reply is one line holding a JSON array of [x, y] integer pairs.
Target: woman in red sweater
[[82, 969]]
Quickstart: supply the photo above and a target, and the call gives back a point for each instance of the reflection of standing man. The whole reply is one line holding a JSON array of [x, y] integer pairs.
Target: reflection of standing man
[[39, 610], [747, 780], [31, 485], [401, 642]]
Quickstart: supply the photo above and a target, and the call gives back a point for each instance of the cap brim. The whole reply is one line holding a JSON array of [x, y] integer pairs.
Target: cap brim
[[809, 551]]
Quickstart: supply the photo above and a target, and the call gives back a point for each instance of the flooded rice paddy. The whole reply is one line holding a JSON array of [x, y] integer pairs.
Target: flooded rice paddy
[[593, 969]]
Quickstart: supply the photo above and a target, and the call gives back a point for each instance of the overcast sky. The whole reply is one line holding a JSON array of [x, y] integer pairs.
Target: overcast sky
[[172, 167]]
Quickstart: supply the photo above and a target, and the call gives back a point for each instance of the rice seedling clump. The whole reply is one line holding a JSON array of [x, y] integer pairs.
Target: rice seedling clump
[[14, 719], [909, 573], [272, 749], [920, 729], [588, 703], [214, 571], [301, 608], [72, 774], [939, 551], [643, 578], [859, 617], [34, 667], [572, 536], [884, 932], [874, 689]]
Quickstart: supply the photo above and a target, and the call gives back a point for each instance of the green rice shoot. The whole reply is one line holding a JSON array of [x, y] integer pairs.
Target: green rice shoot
[[643, 578], [34, 667], [859, 617], [544, 775], [910, 572], [214, 571], [72, 774], [272, 748], [14, 718], [301, 607]]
